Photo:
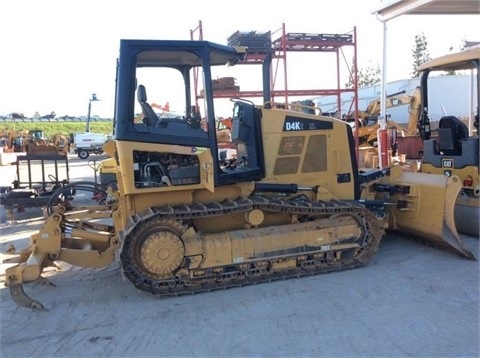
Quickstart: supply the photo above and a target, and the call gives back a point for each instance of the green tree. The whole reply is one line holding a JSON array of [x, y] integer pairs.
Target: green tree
[[420, 53], [462, 47], [367, 76]]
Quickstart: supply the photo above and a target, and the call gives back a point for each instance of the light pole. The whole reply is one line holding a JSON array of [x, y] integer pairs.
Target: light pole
[[93, 99]]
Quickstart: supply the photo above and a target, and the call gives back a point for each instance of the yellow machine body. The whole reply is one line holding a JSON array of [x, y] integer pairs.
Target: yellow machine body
[[291, 203]]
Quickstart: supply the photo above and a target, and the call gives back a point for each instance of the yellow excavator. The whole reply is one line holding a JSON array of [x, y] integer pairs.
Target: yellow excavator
[[181, 221], [368, 119]]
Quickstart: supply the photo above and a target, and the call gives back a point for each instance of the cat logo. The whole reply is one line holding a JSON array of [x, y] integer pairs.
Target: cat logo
[[447, 163], [293, 126]]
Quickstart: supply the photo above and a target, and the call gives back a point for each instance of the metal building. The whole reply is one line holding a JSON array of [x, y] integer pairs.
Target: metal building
[[453, 95]]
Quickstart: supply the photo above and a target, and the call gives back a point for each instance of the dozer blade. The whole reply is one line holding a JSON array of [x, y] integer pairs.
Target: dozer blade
[[425, 206], [21, 298]]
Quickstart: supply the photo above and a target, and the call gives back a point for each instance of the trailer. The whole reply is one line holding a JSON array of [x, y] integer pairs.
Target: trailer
[[37, 177]]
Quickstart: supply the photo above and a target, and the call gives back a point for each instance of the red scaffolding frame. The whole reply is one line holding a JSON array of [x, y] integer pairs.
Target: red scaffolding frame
[[299, 42]]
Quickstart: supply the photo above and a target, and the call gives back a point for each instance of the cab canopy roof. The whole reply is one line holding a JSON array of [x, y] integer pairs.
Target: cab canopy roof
[[464, 60], [184, 53]]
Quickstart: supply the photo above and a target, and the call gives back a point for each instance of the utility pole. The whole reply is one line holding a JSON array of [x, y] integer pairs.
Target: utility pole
[[93, 99]]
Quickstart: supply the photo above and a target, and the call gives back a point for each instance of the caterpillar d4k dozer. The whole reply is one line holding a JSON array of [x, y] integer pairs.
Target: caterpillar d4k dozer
[[182, 221]]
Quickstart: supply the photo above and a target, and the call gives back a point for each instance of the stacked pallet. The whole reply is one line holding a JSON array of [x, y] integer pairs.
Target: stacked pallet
[[256, 42]]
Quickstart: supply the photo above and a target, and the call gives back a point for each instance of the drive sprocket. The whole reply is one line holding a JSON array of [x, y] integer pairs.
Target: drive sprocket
[[155, 250]]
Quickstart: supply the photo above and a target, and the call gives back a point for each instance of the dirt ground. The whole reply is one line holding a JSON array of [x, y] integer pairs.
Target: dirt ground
[[411, 300]]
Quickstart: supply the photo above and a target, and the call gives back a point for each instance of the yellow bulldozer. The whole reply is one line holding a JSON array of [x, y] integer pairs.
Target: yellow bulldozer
[[31, 142], [180, 221], [38, 144]]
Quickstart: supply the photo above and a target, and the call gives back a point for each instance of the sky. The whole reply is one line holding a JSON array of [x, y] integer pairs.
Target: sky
[[55, 54]]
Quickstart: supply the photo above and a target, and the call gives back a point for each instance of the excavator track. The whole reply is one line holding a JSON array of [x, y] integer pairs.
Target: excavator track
[[173, 221]]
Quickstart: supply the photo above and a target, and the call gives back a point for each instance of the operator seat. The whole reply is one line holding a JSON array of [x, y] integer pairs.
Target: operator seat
[[451, 133], [150, 118]]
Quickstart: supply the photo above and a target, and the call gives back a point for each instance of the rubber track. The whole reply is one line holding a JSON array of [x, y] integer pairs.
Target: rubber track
[[229, 279]]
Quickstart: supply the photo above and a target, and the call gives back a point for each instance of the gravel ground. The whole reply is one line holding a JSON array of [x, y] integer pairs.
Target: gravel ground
[[412, 300]]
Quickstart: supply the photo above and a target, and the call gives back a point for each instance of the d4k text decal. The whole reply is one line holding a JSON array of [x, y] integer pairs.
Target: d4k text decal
[[303, 124]]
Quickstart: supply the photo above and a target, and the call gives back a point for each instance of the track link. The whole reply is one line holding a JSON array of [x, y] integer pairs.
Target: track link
[[342, 256]]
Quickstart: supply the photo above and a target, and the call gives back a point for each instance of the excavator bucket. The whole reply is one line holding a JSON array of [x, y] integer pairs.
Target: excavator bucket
[[425, 206]]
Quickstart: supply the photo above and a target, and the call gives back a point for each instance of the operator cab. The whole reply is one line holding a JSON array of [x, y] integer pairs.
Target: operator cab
[[455, 147], [170, 72]]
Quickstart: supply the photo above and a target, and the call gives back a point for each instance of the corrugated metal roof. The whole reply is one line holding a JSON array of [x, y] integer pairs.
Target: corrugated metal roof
[[427, 7]]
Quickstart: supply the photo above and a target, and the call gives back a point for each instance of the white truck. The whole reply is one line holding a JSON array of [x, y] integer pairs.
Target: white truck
[[83, 144]]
